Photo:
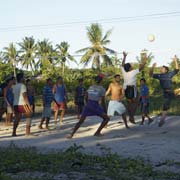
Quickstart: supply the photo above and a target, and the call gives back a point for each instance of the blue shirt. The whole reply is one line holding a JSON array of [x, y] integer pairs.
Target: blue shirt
[[48, 95], [60, 93], [166, 79], [10, 96], [144, 94]]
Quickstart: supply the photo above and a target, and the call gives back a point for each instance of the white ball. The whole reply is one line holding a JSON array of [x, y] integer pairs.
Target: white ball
[[151, 38]]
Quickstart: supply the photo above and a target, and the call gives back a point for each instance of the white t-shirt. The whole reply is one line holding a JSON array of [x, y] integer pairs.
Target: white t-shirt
[[129, 77], [18, 91]]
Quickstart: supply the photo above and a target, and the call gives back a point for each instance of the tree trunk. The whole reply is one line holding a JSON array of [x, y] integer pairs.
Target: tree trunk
[[63, 68], [14, 67]]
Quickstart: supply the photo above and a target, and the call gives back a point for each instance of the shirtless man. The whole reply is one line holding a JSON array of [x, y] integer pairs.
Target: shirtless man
[[115, 104]]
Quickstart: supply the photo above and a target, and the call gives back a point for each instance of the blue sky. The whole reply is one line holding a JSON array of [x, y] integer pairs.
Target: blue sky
[[127, 35]]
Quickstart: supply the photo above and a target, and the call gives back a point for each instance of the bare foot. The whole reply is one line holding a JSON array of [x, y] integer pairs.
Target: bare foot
[[98, 135], [150, 121], [40, 127], [131, 120], [69, 136], [47, 128], [161, 123], [14, 135]]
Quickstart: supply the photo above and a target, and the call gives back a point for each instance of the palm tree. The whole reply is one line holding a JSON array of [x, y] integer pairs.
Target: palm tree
[[28, 50], [63, 54], [10, 55], [97, 50], [45, 54]]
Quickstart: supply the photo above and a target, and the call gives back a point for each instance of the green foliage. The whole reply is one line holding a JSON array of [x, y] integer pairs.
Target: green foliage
[[14, 160], [5, 71]]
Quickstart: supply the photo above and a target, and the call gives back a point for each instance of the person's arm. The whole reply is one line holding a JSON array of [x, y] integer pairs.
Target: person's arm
[[54, 89], [152, 70], [25, 96], [122, 93], [142, 65], [65, 92], [176, 62], [108, 91], [124, 58], [5, 96], [43, 96], [86, 96], [75, 96], [103, 102]]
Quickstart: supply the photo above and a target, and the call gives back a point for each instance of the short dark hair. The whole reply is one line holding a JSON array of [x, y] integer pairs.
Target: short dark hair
[[143, 79], [28, 80], [49, 79], [116, 75], [98, 79], [80, 79], [60, 78], [167, 69], [127, 67], [20, 76]]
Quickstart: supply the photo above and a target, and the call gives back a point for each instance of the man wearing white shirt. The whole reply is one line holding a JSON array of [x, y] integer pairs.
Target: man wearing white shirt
[[21, 104], [130, 78]]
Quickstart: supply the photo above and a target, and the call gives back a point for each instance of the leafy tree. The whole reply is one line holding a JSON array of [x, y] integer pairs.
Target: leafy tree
[[10, 55], [27, 50], [45, 54], [63, 54], [97, 50]]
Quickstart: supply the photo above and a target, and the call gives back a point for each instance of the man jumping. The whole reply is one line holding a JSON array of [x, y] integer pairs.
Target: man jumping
[[165, 78]]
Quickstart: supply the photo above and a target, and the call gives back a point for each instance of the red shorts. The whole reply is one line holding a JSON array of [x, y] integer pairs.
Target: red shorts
[[59, 106], [22, 109]]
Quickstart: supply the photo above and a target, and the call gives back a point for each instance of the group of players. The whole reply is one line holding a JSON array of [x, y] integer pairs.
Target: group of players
[[19, 98]]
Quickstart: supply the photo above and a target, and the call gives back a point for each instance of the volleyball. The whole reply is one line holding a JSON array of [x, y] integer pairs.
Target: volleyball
[[151, 38]]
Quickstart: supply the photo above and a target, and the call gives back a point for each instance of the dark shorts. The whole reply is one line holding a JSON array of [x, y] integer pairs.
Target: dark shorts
[[145, 108], [22, 109], [131, 93], [168, 97], [92, 109], [80, 101]]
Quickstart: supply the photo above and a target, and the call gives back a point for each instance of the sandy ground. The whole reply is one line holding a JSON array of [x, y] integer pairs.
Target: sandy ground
[[154, 144]]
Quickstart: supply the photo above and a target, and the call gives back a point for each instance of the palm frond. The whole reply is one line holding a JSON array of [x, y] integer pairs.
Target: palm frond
[[110, 50], [82, 50]]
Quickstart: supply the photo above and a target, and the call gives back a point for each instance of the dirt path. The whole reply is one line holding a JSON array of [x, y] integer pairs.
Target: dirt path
[[154, 144]]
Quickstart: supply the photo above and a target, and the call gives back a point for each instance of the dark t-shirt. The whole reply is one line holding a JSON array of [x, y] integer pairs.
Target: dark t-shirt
[[166, 79]]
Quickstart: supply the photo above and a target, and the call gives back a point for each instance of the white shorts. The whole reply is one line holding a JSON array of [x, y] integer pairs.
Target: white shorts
[[115, 107]]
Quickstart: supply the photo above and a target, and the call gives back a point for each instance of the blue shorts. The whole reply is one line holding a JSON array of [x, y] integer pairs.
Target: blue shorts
[[92, 109]]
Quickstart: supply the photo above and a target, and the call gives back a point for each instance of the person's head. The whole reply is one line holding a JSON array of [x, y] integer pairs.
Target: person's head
[[20, 77], [49, 82], [164, 69], [13, 79], [28, 81], [117, 78], [142, 81], [60, 80], [127, 67], [98, 79], [10, 81], [81, 81]]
